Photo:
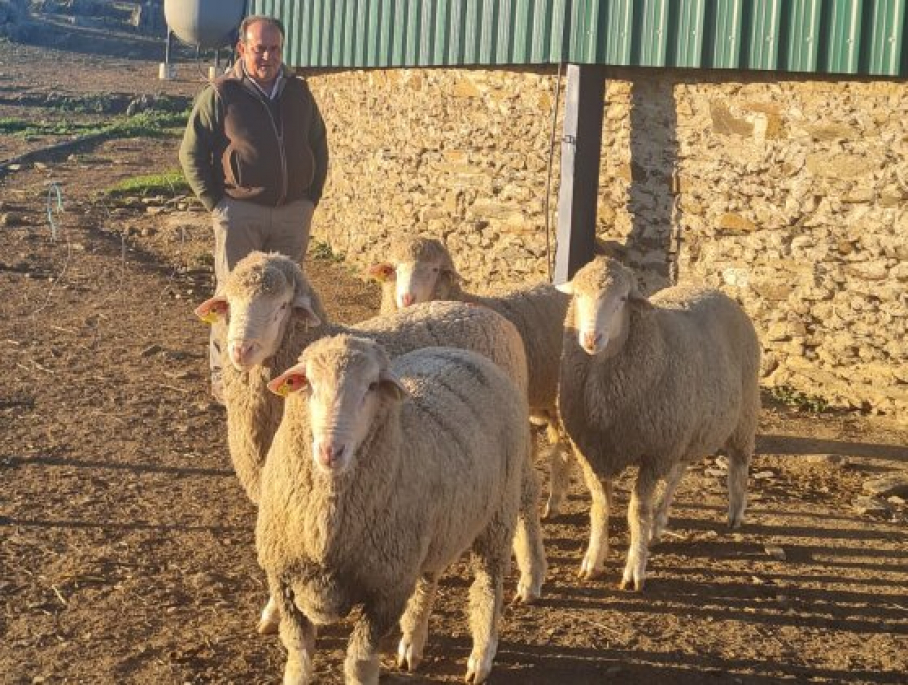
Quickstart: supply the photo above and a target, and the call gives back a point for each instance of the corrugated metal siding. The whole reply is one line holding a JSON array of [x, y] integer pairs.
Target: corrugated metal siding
[[812, 36]]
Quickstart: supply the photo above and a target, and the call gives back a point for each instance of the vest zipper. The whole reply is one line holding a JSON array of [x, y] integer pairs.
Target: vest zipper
[[280, 146]]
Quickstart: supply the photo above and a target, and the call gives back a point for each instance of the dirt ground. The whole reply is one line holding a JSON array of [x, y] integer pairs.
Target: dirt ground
[[126, 544]]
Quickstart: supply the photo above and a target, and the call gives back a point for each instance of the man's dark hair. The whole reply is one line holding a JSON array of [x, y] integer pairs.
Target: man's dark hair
[[255, 19]]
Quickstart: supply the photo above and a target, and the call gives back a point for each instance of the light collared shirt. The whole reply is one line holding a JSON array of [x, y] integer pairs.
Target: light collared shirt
[[274, 87]]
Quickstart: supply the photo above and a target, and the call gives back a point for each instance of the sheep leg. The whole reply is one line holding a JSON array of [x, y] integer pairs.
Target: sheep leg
[[270, 619], [738, 466], [297, 633], [560, 463], [640, 522], [490, 563], [671, 484], [528, 545], [593, 564], [415, 622], [361, 665]]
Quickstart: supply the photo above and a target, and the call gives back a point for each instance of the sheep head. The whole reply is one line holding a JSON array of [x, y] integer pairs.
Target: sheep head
[[421, 268], [604, 293], [258, 300], [345, 380]]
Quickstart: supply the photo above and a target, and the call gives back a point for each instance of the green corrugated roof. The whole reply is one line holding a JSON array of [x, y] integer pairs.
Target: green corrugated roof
[[807, 36]]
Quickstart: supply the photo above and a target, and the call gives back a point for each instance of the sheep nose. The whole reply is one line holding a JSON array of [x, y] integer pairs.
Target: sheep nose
[[590, 339], [406, 299], [240, 352], [329, 455]]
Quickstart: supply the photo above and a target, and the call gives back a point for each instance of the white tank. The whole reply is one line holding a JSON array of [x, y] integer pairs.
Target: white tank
[[210, 25]]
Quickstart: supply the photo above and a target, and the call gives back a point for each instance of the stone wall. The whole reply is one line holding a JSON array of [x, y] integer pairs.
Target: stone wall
[[791, 195]]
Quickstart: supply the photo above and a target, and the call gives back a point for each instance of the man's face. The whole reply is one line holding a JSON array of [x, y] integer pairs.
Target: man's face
[[261, 52]]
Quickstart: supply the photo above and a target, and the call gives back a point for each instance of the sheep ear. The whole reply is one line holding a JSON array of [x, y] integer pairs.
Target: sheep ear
[[567, 288], [292, 380], [451, 273], [302, 308], [381, 272], [213, 310], [638, 302], [391, 386]]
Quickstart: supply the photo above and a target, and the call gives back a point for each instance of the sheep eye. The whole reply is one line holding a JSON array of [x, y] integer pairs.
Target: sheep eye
[[373, 386]]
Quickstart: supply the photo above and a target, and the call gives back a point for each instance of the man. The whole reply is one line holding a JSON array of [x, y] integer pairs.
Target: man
[[255, 153]]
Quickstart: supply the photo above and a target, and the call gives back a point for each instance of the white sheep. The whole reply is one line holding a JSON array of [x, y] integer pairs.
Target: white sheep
[[655, 384], [380, 476], [421, 269], [273, 314]]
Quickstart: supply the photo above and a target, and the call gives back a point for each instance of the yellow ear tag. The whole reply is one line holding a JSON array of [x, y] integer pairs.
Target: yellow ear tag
[[284, 389], [211, 317]]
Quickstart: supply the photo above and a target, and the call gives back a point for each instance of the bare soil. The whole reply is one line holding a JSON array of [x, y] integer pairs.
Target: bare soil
[[126, 544]]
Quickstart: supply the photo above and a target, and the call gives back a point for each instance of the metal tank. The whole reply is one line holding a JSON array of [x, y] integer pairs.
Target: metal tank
[[208, 24]]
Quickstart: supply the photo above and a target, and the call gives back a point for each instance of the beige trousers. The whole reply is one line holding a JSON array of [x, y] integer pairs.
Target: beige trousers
[[243, 227]]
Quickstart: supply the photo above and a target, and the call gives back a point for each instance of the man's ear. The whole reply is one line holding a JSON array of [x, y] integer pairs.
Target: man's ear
[[381, 272], [391, 386], [567, 288], [213, 310], [292, 380], [302, 308]]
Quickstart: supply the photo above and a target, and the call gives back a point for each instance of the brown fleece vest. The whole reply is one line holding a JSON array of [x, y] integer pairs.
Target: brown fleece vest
[[266, 161]]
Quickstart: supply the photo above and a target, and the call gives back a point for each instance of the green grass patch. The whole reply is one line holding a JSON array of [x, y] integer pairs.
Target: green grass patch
[[148, 124], [322, 251], [169, 183], [795, 398]]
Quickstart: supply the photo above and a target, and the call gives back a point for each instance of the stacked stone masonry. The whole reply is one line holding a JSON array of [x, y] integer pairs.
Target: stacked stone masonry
[[789, 194]]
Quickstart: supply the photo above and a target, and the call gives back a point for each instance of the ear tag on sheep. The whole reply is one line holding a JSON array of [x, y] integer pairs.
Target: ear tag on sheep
[[212, 313], [381, 272], [285, 385]]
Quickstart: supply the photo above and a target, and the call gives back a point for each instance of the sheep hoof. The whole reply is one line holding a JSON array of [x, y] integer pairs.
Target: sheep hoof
[[526, 594], [589, 571], [409, 656], [631, 584], [478, 669]]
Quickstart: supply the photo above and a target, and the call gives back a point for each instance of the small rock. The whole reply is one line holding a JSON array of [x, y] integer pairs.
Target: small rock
[[865, 504], [775, 552], [823, 459], [896, 500], [11, 219], [756, 580], [890, 484], [40, 166], [716, 473], [152, 349], [764, 475], [722, 462], [153, 210]]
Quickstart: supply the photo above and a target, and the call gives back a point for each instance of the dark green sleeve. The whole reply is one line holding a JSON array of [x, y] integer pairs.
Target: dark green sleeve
[[198, 150], [318, 142]]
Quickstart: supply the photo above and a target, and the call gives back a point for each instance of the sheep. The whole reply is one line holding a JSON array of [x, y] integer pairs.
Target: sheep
[[421, 269], [656, 384], [380, 476], [274, 314]]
